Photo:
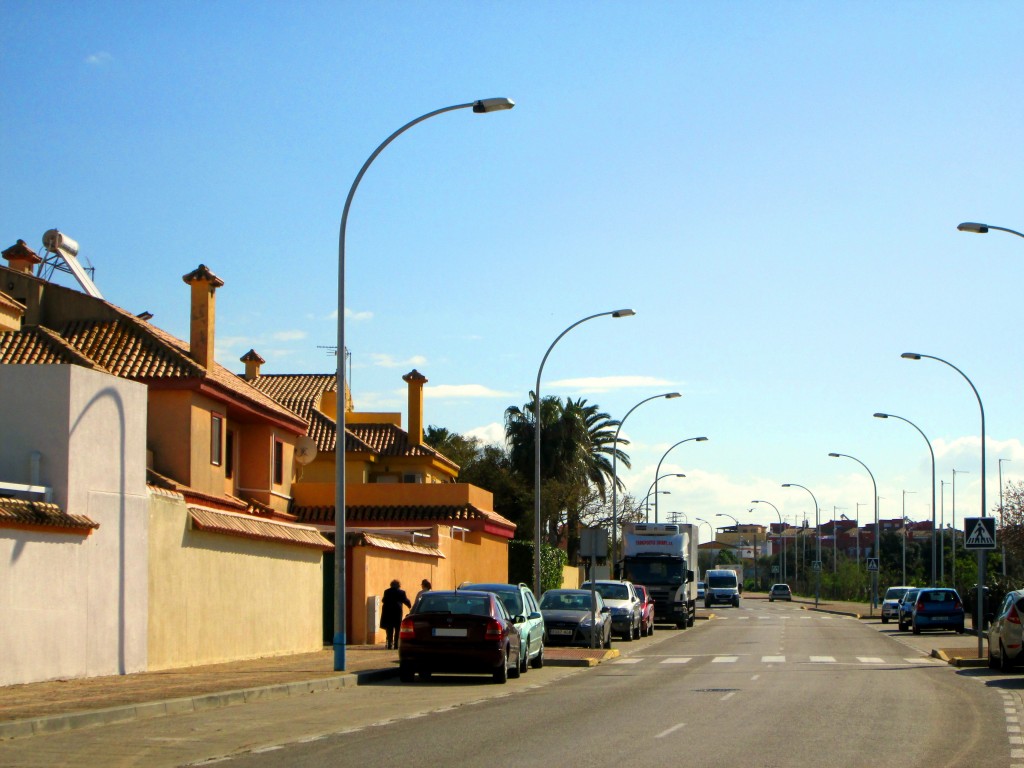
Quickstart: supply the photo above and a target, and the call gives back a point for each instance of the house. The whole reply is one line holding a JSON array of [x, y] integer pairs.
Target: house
[[204, 485], [407, 517]]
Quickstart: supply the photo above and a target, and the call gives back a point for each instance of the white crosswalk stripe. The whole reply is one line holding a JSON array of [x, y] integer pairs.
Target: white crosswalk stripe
[[782, 659], [725, 659], [823, 660], [870, 660], [773, 659], [676, 660]]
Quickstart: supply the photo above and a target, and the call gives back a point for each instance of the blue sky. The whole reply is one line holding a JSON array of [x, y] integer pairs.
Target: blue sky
[[773, 187]]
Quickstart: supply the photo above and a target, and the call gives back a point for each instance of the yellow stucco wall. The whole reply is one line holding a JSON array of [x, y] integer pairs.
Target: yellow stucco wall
[[215, 598]]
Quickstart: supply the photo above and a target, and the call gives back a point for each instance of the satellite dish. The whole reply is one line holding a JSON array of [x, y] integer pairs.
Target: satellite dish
[[305, 450]]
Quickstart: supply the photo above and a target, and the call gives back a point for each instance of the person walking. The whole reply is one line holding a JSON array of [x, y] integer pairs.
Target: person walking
[[424, 587], [391, 612]]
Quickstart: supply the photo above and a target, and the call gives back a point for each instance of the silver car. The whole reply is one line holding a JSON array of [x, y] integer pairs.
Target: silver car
[[1005, 636], [891, 603]]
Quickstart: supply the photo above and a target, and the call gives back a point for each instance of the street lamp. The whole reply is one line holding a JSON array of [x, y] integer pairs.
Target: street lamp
[[981, 229], [782, 532], [654, 487], [536, 442], [979, 617], [615, 474], [658, 468], [817, 530], [647, 502], [878, 538], [479, 106], [932, 452]]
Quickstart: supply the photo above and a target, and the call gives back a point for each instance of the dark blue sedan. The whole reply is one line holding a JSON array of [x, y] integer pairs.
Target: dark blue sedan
[[937, 609]]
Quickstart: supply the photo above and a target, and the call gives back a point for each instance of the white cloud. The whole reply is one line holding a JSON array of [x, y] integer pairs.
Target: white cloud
[[607, 383], [490, 434], [289, 335], [464, 390], [351, 314], [387, 361], [99, 59]]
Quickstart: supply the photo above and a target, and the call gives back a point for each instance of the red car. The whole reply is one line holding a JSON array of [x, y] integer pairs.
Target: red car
[[460, 631], [646, 610]]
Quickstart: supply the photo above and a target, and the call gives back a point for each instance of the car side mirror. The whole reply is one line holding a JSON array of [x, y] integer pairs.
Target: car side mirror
[[518, 619], [534, 616], [606, 609], [689, 574]]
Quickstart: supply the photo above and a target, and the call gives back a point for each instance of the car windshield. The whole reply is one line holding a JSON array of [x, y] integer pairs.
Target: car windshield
[[655, 572], [895, 593], [780, 588], [936, 596], [474, 605], [565, 601], [611, 591], [510, 598], [722, 581]]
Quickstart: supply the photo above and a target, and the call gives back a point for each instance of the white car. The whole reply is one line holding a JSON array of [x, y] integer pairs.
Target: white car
[[1005, 635], [621, 597], [891, 603]]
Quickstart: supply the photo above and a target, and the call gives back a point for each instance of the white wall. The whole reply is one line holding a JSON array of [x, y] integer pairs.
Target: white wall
[[73, 605]]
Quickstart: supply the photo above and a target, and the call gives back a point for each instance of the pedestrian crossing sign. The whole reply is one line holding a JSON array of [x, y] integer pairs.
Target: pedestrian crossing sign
[[980, 533], [872, 563]]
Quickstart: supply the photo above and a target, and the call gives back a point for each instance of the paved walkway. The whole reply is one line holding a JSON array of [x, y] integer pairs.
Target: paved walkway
[[61, 705]]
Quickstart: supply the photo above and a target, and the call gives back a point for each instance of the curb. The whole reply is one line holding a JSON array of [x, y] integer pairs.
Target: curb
[[834, 613], [958, 661], [73, 721]]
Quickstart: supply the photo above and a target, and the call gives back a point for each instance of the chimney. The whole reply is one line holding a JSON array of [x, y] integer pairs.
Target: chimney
[[203, 314], [22, 258], [252, 364], [415, 380]]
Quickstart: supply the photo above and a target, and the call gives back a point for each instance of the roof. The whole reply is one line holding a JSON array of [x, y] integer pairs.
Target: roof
[[31, 514], [247, 526], [447, 513], [384, 542]]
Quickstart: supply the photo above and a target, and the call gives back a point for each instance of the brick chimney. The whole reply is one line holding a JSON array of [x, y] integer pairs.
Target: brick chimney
[[252, 364], [203, 314], [22, 258], [415, 380]]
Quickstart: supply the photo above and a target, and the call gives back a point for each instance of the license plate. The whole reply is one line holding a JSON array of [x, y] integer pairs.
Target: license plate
[[560, 631], [939, 618], [446, 632]]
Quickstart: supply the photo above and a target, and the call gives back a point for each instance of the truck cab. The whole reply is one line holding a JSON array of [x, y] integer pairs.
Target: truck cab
[[661, 557], [721, 587]]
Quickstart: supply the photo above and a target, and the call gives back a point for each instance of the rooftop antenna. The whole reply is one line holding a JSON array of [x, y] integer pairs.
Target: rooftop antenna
[[332, 351], [62, 255]]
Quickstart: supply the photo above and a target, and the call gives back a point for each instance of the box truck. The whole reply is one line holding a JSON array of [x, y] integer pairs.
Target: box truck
[[663, 557]]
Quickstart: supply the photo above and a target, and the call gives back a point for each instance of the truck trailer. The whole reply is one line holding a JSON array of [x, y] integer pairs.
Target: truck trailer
[[663, 557]]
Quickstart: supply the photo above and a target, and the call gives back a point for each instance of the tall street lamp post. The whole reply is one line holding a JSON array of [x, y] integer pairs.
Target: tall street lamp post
[[903, 525], [932, 452], [480, 106], [817, 531], [878, 538], [979, 613], [953, 516], [615, 470], [537, 528], [782, 533], [658, 468], [973, 226], [653, 487]]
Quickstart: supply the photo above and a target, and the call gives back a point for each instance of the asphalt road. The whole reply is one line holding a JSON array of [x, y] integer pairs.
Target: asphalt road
[[763, 685]]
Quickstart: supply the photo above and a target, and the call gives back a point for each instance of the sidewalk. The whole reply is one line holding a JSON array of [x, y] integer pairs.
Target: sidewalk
[[62, 705]]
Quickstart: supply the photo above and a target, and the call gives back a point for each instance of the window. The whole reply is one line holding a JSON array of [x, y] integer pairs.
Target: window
[[216, 438], [229, 455], [278, 462]]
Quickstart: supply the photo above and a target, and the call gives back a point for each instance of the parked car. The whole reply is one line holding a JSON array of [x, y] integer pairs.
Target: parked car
[[891, 602], [905, 608], [458, 631], [700, 591], [1005, 636], [624, 603], [937, 609], [526, 613], [567, 618], [780, 592], [646, 610]]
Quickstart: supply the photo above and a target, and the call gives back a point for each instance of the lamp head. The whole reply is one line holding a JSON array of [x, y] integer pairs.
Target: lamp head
[[492, 105], [910, 356], [701, 439], [835, 455], [787, 485], [672, 395], [623, 313], [881, 415], [973, 226]]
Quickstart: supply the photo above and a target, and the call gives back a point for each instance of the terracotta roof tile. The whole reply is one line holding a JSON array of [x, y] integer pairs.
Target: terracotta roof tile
[[298, 392], [251, 527], [389, 440], [375, 514], [19, 512], [40, 346], [385, 542]]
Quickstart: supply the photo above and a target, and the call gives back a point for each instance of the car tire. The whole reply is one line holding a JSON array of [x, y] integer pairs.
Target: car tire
[[524, 660], [993, 662], [650, 628], [516, 669], [538, 661], [425, 675], [916, 629], [1005, 662], [637, 631], [628, 637], [501, 673], [608, 641], [886, 621], [406, 673], [735, 602]]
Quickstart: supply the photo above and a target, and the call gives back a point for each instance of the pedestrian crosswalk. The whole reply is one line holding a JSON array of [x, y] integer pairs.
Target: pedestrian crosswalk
[[780, 659], [765, 615]]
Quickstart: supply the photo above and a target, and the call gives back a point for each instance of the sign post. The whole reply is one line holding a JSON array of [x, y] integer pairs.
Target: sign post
[[980, 536], [593, 544]]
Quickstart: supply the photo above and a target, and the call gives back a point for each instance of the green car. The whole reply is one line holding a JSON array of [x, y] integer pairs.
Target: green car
[[519, 601]]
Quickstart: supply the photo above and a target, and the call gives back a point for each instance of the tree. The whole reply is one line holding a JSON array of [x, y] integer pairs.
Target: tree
[[459, 448], [1012, 532]]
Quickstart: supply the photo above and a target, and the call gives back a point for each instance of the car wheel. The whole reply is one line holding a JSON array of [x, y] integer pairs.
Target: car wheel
[[516, 669], [636, 631], [915, 628], [993, 662], [960, 629], [406, 673], [538, 661], [1005, 662], [608, 641], [501, 673], [707, 606], [628, 636], [424, 676], [886, 621], [524, 660], [650, 628], [772, 599]]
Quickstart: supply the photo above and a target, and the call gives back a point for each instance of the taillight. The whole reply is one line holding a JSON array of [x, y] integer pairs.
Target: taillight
[[1013, 617], [406, 630], [956, 605], [493, 630], [920, 605]]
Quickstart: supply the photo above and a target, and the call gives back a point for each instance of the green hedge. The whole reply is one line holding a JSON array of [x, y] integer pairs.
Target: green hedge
[[520, 564]]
